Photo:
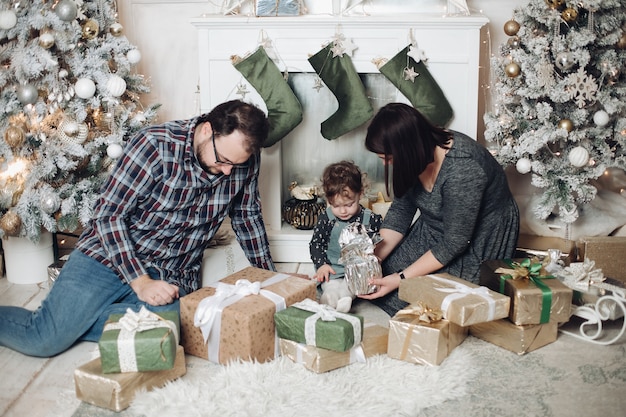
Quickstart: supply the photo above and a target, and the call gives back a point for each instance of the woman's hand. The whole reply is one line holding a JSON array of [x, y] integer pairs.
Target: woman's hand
[[323, 273], [385, 285], [154, 292]]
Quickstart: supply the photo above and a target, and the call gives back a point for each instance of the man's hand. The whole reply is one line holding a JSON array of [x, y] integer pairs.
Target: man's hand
[[154, 292]]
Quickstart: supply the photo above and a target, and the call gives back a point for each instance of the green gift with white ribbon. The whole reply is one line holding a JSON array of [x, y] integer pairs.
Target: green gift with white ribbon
[[319, 325], [139, 341]]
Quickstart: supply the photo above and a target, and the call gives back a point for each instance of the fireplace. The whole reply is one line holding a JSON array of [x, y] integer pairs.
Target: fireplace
[[451, 43]]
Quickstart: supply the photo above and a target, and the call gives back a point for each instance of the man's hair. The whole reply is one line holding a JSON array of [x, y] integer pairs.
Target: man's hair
[[341, 178], [238, 115]]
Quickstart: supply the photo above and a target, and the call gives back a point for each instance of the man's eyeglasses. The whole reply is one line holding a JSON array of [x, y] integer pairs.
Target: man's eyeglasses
[[219, 161]]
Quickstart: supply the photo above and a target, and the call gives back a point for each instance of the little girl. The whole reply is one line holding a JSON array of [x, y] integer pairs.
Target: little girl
[[343, 187]]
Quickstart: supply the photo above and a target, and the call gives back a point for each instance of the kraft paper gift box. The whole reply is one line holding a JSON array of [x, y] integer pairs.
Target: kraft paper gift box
[[142, 341], [117, 391], [534, 299], [517, 339], [318, 325], [415, 336], [323, 360], [462, 302], [239, 327], [531, 245], [607, 252]]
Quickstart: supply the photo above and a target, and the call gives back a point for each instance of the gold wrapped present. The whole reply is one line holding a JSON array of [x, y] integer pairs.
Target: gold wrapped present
[[419, 335], [536, 297], [235, 319], [323, 360], [117, 391], [518, 339], [139, 341], [462, 302], [607, 252], [529, 246]]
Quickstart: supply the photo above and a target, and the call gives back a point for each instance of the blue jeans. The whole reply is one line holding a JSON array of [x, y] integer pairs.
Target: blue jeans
[[83, 296]]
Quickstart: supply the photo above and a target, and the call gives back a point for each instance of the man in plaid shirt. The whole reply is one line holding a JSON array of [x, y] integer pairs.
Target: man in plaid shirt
[[163, 202]]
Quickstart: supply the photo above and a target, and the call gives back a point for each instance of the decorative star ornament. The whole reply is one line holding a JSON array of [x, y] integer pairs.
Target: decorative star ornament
[[318, 85], [417, 54], [349, 47], [242, 90], [410, 74], [338, 50], [267, 44]]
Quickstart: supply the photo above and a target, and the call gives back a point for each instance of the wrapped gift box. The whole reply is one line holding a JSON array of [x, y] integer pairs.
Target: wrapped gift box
[[462, 302], [301, 324], [415, 341], [518, 339], [323, 360], [277, 7], [526, 297], [54, 269], [531, 245], [607, 252], [117, 391], [126, 347], [247, 329]]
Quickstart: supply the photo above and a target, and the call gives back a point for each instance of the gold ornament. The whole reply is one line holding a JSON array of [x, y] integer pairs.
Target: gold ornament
[[46, 40], [116, 29], [566, 124], [511, 27], [621, 44], [555, 4], [14, 137], [11, 223], [91, 28], [569, 15], [512, 70]]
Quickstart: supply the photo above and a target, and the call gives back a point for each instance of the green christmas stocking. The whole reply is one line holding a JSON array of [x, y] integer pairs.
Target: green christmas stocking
[[284, 111], [417, 84], [340, 76]]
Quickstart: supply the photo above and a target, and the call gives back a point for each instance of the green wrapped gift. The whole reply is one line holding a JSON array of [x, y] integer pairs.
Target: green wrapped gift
[[137, 342], [319, 325]]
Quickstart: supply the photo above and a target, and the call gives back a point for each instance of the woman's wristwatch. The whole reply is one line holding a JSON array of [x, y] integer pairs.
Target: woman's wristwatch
[[401, 273]]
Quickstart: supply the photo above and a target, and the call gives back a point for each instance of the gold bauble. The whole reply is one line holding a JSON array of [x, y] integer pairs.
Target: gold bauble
[[621, 44], [511, 27], [512, 69], [14, 137], [11, 223], [569, 15], [46, 40], [91, 28], [116, 29], [555, 4], [566, 124]]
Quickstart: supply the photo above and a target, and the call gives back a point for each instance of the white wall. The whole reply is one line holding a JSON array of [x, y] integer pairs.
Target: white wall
[[167, 41]]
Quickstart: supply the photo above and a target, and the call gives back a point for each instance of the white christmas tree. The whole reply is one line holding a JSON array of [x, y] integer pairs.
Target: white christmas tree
[[560, 99], [69, 97]]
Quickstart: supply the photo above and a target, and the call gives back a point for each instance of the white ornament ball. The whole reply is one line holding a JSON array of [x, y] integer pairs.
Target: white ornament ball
[[601, 118], [63, 73], [578, 157], [50, 202], [8, 19], [27, 94], [523, 165], [133, 56], [84, 88], [114, 150], [66, 10], [116, 85]]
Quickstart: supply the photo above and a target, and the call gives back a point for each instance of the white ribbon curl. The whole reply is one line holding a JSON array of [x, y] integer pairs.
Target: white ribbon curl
[[129, 325], [325, 313], [460, 290], [208, 315]]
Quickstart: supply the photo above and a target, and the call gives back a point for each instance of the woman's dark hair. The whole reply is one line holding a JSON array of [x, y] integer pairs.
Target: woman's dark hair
[[408, 140], [238, 115], [341, 178]]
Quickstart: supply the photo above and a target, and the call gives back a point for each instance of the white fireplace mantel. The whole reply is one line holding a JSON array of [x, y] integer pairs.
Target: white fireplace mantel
[[451, 43]]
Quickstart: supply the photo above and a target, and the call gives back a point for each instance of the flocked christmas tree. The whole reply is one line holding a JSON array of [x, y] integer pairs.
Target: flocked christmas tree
[[69, 97], [560, 99]]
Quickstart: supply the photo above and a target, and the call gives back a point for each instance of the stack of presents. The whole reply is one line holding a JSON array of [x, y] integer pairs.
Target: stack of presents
[[259, 315]]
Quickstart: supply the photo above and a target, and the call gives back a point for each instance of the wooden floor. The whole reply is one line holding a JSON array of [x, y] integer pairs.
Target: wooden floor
[[37, 387]]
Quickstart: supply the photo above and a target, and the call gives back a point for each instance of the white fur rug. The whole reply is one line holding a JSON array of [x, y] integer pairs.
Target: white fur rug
[[380, 387]]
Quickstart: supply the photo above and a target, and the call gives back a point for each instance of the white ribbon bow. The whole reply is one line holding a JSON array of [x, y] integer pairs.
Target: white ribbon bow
[[326, 313], [208, 315], [460, 290]]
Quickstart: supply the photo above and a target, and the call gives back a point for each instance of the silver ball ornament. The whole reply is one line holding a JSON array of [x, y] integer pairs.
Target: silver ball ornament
[[8, 19], [66, 10], [50, 202], [27, 94], [601, 118], [564, 61]]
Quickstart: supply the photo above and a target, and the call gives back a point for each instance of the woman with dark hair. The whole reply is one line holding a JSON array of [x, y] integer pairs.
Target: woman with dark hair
[[452, 207]]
